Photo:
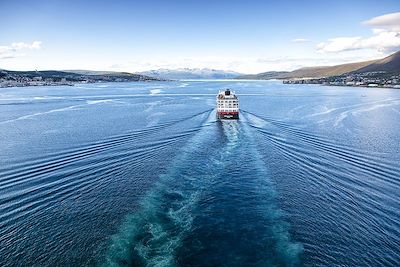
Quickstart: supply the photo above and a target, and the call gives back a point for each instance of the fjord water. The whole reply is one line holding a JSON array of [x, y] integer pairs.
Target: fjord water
[[142, 174]]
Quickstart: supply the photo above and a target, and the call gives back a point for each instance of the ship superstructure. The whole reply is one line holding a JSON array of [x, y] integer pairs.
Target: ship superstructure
[[227, 105]]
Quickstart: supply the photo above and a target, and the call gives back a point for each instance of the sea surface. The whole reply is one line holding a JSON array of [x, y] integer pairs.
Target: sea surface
[[142, 174]]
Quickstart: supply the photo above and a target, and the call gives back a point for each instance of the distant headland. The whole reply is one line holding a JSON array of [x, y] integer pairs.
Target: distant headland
[[375, 73]]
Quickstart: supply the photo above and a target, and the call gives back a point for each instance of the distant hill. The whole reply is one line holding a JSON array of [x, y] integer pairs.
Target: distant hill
[[326, 71], [110, 74], [42, 73], [91, 72], [390, 64], [186, 73], [265, 75], [79, 75]]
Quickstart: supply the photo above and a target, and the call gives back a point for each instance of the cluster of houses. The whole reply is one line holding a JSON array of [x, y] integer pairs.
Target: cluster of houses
[[46, 78], [368, 79], [20, 81]]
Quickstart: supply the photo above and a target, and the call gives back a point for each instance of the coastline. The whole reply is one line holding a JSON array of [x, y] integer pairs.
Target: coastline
[[348, 85], [362, 86], [63, 78], [67, 83]]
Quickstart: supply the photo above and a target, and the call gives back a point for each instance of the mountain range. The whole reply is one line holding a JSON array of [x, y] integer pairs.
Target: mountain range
[[187, 73], [390, 64]]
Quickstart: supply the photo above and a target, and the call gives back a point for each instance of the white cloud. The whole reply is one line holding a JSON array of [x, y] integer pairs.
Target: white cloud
[[389, 21], [339, 44], [10, 51], [300, 40], [385, 37]]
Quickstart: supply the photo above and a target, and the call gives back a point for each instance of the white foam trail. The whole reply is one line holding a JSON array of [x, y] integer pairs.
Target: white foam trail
[[349, 107], [155, 91], [155, 234], [326, 111], [93, 102], [151, 236], [75, 107], [183, 85], [151, 105], [378, 106], [354, 112], [256, 121], [46, 97], [341, 118], [155, 118]]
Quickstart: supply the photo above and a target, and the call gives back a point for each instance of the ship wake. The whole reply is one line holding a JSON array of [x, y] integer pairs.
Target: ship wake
[[215, 206]]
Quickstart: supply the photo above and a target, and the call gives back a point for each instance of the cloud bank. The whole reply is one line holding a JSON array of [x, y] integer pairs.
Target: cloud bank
[[385, 37], [389, 21], [10, 51]]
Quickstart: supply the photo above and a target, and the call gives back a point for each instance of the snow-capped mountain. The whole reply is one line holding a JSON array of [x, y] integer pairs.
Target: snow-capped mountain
[[186, 73]]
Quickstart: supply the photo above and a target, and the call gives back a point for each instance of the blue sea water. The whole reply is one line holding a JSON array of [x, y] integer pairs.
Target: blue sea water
[[142, 174]]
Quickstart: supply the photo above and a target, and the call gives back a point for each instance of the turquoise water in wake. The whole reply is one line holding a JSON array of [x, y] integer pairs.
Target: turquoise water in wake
[[142, 174]]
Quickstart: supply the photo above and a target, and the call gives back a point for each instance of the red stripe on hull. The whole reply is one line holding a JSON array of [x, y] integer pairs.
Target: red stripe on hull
[[228, 113]]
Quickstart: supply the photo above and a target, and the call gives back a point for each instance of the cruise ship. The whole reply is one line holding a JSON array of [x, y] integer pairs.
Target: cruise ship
[[227, 105]]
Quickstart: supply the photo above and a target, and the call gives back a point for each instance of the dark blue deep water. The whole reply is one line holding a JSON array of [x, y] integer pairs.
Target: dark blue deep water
[[142, 174]]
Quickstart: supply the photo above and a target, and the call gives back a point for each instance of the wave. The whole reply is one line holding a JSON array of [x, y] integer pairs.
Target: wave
[[367, 162], [148, 228], [197, 212], [97, 146], [360, 186], [31, 186]]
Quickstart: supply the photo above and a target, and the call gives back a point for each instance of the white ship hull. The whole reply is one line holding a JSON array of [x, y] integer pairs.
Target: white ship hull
[[227, 105]]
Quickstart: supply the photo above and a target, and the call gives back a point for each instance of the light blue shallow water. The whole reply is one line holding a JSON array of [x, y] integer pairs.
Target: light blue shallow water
[[141, 174]]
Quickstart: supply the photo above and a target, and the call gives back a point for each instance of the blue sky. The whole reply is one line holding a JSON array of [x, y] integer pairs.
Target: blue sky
[[245, 36]]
